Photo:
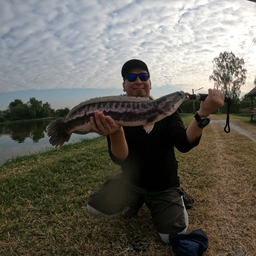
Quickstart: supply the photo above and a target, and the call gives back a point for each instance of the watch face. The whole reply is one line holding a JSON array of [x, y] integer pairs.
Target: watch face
[[204, 122]]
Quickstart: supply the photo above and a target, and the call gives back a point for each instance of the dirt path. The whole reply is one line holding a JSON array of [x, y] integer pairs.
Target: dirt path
[[233, 199], [237, 128]]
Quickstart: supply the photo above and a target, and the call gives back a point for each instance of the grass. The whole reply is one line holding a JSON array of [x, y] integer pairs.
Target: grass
[[43, 199]]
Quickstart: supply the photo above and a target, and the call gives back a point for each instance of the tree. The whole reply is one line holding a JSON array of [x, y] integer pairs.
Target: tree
[[17, 111], [35, 108], [229, 75], [187, 106], [62, 112], [15, 103], [1, 116], [47, 110]]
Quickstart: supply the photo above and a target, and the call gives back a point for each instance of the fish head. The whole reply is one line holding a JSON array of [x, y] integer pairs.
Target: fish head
[[169, 103]]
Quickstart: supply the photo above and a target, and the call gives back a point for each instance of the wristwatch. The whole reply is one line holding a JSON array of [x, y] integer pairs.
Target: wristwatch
[[202, 121]]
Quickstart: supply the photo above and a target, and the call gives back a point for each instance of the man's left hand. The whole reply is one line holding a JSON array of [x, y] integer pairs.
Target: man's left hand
[[213, 101]]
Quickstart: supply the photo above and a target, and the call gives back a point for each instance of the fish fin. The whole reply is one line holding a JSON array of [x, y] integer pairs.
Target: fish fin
[[148, 127], [58, 136]]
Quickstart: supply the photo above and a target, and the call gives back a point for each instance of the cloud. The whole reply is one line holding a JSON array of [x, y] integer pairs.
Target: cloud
[[82, 44]]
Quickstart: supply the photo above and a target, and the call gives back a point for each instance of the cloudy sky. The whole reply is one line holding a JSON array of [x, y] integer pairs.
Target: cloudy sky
[[64, 52]]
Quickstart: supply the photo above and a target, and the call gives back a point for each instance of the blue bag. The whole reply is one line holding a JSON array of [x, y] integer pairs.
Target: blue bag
[[192, 244]]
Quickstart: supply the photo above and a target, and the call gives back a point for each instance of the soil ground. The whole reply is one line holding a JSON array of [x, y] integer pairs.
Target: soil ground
[[230, 196]]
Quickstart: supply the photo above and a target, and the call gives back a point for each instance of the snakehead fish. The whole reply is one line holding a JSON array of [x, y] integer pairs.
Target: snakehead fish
[[126, 111]]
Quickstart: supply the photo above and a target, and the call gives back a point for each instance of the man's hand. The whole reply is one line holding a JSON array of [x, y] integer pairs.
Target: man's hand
[[103, 125], [213, 101]]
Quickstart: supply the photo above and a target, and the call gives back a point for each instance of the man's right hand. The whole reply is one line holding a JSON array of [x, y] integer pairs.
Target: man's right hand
[[103, 125]]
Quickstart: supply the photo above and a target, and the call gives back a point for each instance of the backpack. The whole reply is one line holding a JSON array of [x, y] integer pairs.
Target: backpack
[[192, 244]]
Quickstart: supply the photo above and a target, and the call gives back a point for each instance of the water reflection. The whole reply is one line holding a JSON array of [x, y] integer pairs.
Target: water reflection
[[34, 130], [19, 139]]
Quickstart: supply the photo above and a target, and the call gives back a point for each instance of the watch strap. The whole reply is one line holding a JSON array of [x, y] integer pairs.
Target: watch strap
[[202, 121]]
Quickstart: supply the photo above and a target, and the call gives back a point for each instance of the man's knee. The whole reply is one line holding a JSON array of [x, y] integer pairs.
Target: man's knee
[[93, 212], [166, 237]]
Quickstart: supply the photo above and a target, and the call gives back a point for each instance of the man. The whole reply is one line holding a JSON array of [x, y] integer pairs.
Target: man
[[149, 167]]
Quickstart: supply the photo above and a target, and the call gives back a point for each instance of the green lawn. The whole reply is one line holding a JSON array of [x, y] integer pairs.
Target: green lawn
[[43, 200]]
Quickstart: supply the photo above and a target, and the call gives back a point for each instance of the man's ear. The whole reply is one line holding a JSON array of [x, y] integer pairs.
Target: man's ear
[[124, 87]]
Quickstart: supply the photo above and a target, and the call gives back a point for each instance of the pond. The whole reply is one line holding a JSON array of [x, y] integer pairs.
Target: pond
[[19, 139]]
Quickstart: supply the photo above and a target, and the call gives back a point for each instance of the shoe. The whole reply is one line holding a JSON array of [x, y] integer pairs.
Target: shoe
[[188, 200], [130, 212]]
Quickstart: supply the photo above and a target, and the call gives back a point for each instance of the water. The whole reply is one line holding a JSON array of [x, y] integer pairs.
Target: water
[[19, 139]]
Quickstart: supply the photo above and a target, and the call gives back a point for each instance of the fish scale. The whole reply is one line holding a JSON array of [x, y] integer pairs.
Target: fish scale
[[124, 110]]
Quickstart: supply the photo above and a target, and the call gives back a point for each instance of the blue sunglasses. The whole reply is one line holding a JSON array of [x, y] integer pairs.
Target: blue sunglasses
[[142, 76]]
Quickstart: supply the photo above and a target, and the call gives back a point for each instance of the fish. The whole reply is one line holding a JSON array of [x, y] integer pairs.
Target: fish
[[124, 110]]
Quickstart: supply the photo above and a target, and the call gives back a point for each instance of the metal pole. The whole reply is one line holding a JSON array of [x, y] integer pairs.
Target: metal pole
[[193, 92]]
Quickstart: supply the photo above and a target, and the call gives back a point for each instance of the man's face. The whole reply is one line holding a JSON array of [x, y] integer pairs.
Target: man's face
[[137, 88]]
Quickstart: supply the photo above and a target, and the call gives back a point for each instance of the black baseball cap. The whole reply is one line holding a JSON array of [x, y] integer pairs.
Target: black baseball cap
[[134, 63]]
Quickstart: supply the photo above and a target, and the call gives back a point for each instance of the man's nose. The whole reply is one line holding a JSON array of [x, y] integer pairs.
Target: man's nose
[[138, 80]]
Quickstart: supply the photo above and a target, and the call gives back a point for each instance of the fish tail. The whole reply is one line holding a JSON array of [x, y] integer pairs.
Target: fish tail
[[58, 136]]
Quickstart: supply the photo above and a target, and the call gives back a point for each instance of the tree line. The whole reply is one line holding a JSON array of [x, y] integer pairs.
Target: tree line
[[33, 109]]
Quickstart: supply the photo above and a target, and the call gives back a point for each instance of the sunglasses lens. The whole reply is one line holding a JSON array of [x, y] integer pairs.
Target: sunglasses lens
[[132, 77], [143, 76]]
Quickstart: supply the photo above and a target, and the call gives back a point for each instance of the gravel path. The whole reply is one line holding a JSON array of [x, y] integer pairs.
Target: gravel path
[[235, 127]]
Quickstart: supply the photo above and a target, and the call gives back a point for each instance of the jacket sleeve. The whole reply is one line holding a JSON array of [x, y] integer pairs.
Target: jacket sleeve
[[179, 136], [112, 157]]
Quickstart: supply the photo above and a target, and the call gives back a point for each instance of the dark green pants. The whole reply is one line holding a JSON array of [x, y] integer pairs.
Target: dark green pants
[[166, 207]]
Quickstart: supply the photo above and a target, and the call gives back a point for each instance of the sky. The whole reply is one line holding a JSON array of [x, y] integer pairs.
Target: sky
[[64, 52]]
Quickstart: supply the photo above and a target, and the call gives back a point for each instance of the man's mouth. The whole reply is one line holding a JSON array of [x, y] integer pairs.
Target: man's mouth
[[135, 89]]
